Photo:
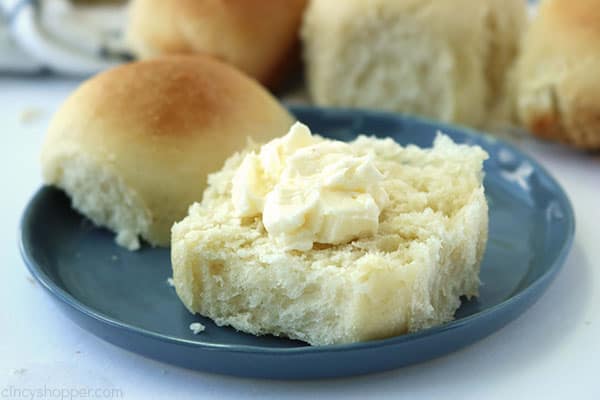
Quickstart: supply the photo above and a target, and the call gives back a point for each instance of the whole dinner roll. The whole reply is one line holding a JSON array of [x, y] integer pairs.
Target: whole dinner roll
[[444, 59], [132, 146], [558, 74], [257, 36]]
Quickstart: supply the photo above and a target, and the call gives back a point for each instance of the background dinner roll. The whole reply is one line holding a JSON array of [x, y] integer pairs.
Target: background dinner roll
[[558, 74], [133, 146], [445, 59], [257, 36]]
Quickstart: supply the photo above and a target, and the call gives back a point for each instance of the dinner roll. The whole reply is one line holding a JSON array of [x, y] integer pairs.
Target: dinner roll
[[407, 276], [558, 74], [133, 146], [257, 36], [444, 59]]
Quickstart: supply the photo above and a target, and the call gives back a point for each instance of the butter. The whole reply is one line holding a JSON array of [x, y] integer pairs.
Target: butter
[[309, 190]]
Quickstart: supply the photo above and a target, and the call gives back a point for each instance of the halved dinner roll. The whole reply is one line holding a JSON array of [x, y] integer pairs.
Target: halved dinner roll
[[444, 59], [132, 147]]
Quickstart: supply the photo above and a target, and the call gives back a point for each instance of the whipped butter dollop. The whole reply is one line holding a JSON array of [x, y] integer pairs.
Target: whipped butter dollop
[[310, 190]]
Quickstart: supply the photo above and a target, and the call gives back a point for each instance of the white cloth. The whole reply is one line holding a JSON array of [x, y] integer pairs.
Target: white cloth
[[56, 35]]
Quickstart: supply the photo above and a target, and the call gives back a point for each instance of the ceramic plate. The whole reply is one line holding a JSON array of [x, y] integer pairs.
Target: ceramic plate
[[123, 297]]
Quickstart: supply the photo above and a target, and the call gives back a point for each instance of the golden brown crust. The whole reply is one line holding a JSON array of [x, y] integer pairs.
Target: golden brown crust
[[257, 36], [558, 95], [574, 17], [168, 96], [161, 126]]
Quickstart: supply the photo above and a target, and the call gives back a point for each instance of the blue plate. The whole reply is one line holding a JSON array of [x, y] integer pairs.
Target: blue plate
[[123, 297]]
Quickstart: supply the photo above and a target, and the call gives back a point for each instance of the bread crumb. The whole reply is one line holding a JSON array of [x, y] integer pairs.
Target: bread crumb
[[30, 115], [197, 327], [170, 282], [30, 279], [114, 257]]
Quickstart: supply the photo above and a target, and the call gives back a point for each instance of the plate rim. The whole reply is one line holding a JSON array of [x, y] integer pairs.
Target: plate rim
[[50, 285]]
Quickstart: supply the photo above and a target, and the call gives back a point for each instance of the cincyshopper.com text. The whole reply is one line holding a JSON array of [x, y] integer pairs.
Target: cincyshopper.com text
[[62, 393]]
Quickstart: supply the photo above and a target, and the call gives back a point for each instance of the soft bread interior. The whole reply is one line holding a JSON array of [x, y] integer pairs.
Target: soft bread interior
[[408, 276], [388, 63], [398, 68], [416, 57], [100, 194]]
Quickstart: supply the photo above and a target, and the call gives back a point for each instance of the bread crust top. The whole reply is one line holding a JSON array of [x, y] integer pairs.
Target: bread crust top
[[257, 36], [171, 96]]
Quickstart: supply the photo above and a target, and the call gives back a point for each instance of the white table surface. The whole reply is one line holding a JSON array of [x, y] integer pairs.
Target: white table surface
[[551, 352]]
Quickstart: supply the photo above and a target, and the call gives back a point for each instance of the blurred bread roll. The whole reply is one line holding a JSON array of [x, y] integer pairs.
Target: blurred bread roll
[[558, 74], [257, 36], [132, 147], [444, 59]]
